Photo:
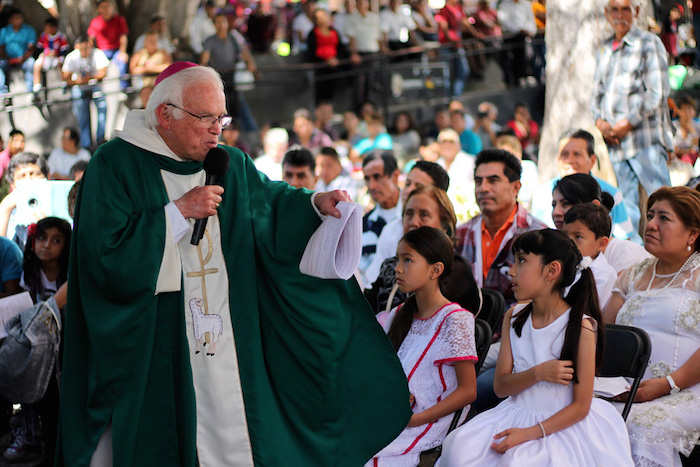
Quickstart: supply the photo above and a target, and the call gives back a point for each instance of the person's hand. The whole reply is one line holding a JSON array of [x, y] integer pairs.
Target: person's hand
[[555, 371], [514, 436], [200, 202], [355, 59], [325, 202], [333, 62], [123, 57], [607, 131], [652, 389], [621, 128]]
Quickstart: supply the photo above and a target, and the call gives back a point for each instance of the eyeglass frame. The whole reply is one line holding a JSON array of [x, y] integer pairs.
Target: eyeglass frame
[[219, 120]]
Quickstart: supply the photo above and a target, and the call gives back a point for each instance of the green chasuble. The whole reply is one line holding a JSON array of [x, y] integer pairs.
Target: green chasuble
[[321, 383]]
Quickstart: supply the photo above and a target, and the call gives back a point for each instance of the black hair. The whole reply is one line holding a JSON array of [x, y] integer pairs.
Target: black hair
[[22, 159], [584, 135], [51, 21], [80, 166], [595, 217], [412, 125], [583, 188], [435, 246], [73, 198], [435, 171], [15, 132], [330, 152], [553, 245], [512, 168], [79, 40], [300, 157], [387, 156], [14, 11], [31, 265], [73, 133]]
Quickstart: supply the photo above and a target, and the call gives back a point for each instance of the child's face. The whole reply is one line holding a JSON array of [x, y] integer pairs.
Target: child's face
[[674, 14], [50, 29], [527, 276], [584, 238], [49, 245], [27, 172], [412, 270]]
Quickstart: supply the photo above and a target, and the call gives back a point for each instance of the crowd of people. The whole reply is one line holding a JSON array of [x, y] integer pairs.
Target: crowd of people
[[450, 210]]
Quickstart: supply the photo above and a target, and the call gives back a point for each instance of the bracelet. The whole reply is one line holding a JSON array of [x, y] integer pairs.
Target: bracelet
[[544, 433]]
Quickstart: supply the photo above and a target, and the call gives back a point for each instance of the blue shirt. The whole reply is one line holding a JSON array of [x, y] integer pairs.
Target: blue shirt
[[10, 262], [382, 141], [17, 42], [470, 141]]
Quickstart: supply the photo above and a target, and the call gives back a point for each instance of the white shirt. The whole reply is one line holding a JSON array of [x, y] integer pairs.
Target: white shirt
[[623, 254], [78, 65], [301, 25], [339, 21], [605, 277], [61, 162], [365, 30], [516, 17], [396, 25], [202, 27], [269, 167], [341, 182]]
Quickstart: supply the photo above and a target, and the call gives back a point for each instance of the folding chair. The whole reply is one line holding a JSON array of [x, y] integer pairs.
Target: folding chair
[[493, 309], [627, 351], [482, 338]]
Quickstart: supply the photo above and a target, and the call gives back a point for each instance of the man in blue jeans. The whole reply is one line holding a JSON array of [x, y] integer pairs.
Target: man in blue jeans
[[84, 69], [17, 40]]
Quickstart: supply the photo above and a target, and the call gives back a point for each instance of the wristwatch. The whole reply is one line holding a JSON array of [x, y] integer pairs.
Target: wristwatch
[[674, 387]]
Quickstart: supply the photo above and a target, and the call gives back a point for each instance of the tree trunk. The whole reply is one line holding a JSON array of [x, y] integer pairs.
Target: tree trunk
[[575, 30]]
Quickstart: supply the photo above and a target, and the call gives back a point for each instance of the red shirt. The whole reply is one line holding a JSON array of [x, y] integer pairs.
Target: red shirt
[[451, 15], [107, 33], [326, 46]]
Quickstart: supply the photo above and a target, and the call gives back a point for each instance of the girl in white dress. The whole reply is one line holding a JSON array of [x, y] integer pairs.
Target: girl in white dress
[[435, 343], [549, 353]]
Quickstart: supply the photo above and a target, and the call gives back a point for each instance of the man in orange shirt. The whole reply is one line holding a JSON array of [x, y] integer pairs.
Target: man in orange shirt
[[485, 240]]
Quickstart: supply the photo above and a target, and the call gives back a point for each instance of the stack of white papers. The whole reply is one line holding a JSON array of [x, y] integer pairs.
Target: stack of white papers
[[334, 250], [610, 387]]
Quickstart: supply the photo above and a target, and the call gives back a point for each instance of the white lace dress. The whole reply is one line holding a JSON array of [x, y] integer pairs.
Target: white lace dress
[[661, 428], [427, 354], [600, 439]]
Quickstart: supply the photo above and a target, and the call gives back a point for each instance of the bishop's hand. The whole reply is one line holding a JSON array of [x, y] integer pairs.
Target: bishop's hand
[[325, 202], [200, 202]]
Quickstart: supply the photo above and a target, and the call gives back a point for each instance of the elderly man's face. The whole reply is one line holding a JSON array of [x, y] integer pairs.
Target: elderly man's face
[[382, 188], [188, 137], [621, 14]]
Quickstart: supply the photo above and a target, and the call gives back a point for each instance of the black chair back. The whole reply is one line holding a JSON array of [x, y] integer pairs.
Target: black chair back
[[627, 351], [493, 309]]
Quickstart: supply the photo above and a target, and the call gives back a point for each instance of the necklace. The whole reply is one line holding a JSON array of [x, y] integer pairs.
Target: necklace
[[669, 283]]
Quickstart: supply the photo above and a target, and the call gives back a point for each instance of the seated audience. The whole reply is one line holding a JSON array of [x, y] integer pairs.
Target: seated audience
[[659, 295], [62, 159], [434, 340], [469, 140], [405, 136], [53, 46], [525, 128], [423, 173], [577, 155], [23, 168], [685, 140], [460, 167], [530, 171], [485, 125], [15, 145], [589, 225], [381, 174], [299, 168], [231, 136], [378, 137], [582, 188], [306, 134], [324, 119], [275, 144], [332, 175]]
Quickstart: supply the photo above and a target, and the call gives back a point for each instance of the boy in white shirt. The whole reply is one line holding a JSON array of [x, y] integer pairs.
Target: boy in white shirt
[[589, 226]]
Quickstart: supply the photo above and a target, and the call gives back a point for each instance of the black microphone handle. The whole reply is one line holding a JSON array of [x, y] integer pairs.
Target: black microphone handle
[[201, 224]]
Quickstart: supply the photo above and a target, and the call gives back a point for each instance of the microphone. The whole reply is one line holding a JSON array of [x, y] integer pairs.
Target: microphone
[[215, 165]]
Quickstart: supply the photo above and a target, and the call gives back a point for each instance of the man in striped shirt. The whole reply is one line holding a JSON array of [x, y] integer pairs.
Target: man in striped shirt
[[629, 106]]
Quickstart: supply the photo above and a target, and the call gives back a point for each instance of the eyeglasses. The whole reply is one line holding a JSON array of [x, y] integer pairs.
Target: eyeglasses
[[451, 141], [208, 120]]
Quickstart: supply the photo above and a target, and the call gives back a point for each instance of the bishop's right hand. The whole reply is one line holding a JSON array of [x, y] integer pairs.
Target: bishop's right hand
[[200, 202]]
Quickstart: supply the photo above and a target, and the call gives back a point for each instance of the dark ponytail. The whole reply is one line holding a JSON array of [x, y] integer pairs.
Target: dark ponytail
[[582, 188], [552, 245], [436, 247]]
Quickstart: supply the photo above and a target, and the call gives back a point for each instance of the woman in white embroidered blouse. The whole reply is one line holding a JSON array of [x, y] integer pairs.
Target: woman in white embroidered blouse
[[662, 296]]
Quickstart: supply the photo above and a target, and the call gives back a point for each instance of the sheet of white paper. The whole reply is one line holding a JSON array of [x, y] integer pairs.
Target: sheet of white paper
[[12, 306], [610, 387], [334, 250]]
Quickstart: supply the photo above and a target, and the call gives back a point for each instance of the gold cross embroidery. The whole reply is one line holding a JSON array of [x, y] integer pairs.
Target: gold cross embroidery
[[204, 271]]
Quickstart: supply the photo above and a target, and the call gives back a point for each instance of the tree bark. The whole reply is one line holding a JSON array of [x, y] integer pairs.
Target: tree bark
[[575, 31]]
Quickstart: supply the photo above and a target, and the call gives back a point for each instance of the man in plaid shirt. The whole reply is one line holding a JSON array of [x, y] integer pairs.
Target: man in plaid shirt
[[629, 106]]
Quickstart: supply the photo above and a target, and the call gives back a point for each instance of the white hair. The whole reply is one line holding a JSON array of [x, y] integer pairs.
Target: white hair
[[276, 135], [172, 89]]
